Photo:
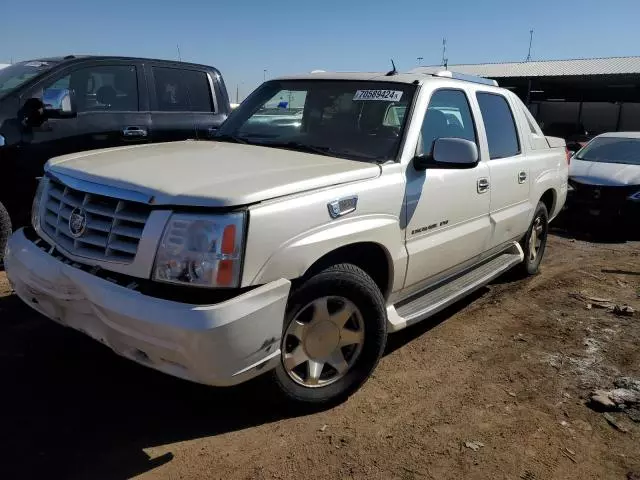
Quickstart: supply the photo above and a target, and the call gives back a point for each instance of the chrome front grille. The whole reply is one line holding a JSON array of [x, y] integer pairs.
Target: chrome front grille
[[113, 227]]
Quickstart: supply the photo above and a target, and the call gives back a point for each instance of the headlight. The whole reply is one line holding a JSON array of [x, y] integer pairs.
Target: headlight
[[35, 206], [201, 250], [635, 197]]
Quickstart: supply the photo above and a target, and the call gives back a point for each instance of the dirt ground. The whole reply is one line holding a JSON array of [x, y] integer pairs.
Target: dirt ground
[[510, 368]]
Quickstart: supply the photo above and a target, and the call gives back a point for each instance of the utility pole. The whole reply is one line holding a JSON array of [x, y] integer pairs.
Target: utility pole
[[444, 52], [530, 43], [237, 92], [264, 74], [179, 56], [420, 61]]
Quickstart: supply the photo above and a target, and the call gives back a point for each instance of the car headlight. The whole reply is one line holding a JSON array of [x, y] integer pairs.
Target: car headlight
[[635, 197], [35, 206], [201, 250]]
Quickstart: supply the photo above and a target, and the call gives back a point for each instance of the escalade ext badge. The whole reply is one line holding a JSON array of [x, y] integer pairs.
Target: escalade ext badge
[[342, 206]]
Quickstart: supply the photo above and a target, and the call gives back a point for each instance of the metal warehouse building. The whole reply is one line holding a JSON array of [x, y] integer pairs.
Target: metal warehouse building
[[570, 96]]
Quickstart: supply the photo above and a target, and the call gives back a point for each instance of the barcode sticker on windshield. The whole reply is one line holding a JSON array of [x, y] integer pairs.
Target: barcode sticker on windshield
[[384, 95]]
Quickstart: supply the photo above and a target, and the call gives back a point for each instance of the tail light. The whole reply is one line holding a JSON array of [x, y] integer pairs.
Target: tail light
[[568, 156]]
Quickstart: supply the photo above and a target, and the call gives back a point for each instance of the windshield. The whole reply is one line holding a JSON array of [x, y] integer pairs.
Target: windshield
[[15, 75], [360, 120], [612, 150]]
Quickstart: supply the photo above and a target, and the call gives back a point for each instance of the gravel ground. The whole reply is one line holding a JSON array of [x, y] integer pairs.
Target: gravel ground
[[493, 388]]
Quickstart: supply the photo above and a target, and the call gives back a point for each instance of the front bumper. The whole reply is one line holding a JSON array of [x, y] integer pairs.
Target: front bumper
[[606, 202], [222, 344]]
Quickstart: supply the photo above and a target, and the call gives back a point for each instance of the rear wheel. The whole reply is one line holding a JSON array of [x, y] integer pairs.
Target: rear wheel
[[334, 335], [5, 230], [535, 241]]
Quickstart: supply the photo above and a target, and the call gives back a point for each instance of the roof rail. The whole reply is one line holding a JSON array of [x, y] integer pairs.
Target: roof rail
[[465, 77]]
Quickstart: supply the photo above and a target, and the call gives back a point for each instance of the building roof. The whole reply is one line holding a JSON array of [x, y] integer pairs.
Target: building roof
[[547, 68]]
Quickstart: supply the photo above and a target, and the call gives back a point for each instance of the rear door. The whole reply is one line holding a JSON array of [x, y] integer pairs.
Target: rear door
[[509, 168], [171, 114], [208, 112], [184, 103]]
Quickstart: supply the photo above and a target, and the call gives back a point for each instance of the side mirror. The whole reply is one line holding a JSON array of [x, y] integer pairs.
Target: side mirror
[[58, 103], [449, 153]]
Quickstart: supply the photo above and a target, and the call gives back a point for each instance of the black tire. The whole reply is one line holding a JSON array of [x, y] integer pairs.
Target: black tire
[[5, 230], [531, 262], [352, 283]]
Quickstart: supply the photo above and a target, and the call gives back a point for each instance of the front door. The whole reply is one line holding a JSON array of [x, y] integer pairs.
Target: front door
[[509, 170], [447, 210], [109, 114]]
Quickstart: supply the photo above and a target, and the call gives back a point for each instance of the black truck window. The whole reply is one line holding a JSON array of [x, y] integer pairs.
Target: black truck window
[[102, 88], [502, 135], [182, 90]]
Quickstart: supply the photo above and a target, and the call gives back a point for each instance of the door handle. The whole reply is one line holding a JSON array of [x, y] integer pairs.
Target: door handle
[[134, 132], [483, 185], [522, 177]]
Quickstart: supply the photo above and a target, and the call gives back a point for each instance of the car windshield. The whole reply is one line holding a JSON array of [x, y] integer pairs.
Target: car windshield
[[359, 120], [15, 75], [612, 150]]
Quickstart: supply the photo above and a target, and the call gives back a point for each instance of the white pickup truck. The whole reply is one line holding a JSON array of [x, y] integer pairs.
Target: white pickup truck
[[294, 247]]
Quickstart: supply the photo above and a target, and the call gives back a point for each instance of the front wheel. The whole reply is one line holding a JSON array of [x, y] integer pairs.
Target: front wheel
[[335, 333], [5, 230], [535, 241]]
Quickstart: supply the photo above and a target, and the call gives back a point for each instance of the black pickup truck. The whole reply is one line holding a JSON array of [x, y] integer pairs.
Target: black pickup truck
[[55, 106]]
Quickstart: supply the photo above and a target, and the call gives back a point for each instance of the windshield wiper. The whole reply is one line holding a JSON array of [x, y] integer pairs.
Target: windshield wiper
[[301, 147], [230, 138]]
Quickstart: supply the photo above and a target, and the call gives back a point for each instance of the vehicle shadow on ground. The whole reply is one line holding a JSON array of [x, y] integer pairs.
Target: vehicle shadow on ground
[[72, 409], [576, 226]]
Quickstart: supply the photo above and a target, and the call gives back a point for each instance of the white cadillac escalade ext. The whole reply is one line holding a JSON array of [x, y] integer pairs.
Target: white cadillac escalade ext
[[331, 210]]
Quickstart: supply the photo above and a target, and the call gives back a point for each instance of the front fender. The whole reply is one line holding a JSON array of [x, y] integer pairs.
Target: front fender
[[295, 257], [287, 237]]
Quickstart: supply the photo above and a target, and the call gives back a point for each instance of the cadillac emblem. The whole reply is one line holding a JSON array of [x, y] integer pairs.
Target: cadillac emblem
[[77, 222]]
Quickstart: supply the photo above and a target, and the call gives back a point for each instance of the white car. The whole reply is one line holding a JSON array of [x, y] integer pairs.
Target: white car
[[604, 177], [294, 250]]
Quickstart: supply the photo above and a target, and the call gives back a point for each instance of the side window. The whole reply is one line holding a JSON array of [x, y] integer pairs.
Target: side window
[[448, 116], [100, 88], [171, 90], [199, 91], [502, 135], [182, 90]]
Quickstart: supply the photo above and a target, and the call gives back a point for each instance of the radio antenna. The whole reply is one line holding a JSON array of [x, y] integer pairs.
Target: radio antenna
[[394, 71], [445, 60], [530, 43]]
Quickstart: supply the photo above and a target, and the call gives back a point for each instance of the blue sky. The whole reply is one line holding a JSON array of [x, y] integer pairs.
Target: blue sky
[[242, 38]]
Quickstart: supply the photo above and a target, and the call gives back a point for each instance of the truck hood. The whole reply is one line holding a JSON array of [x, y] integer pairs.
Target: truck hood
[[210, 174], [604, 174]]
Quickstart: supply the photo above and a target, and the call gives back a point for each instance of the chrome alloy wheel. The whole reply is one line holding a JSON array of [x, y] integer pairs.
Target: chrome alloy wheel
[[323, 341], [536, 238]]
